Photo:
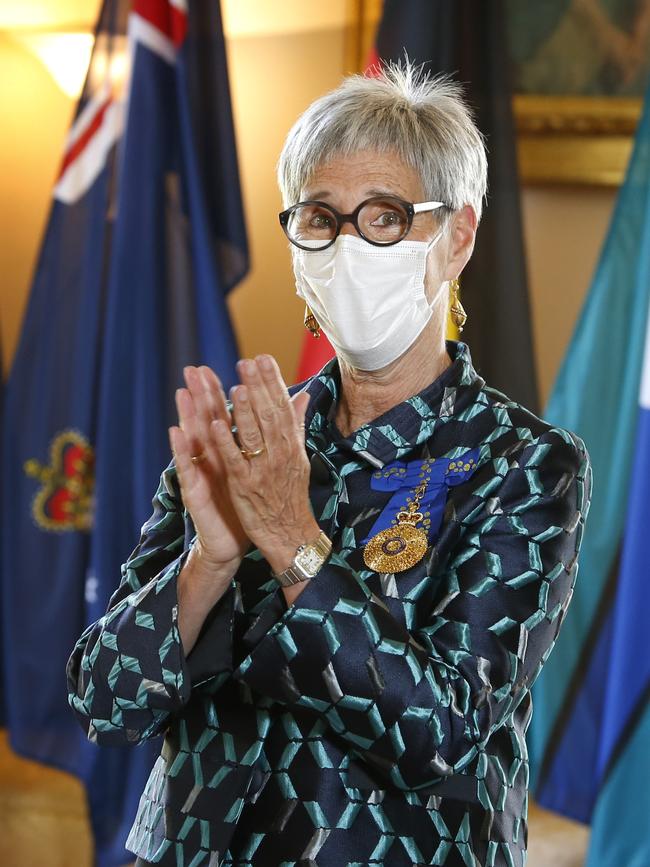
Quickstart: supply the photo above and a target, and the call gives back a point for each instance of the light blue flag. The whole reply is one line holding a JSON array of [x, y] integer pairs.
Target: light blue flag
[[620, 821], [589, 759]]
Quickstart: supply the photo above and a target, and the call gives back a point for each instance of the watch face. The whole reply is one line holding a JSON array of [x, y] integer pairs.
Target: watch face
[[309, 561]]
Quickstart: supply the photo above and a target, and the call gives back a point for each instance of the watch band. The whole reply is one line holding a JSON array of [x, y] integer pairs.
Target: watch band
[[307, 561]]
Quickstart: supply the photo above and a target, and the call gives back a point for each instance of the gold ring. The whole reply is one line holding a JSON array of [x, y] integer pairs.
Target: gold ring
[[248, 454], [196, 459]]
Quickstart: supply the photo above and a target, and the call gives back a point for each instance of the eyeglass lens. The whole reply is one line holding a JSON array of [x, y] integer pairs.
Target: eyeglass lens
[[383, 221]]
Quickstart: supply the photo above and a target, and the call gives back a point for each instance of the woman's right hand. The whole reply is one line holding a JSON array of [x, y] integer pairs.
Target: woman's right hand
[[220, 540]]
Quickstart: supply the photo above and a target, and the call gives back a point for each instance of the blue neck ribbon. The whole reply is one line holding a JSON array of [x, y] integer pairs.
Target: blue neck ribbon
[[403, 478]]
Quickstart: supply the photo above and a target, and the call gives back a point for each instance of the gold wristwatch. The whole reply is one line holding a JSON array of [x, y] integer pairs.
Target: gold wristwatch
[[307, 562]]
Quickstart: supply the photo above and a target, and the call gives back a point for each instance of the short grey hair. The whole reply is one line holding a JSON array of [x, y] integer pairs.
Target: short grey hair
[[401, 108]]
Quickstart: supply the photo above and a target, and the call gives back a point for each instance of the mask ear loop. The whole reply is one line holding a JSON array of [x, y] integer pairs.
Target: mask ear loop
[[436, 238], [445, 283]]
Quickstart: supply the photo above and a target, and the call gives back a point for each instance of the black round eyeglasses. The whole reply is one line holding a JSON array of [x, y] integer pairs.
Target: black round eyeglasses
[[380, 220]]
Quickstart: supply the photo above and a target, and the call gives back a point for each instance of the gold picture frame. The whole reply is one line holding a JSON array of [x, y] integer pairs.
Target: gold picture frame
[[560, 139], [574, 140]]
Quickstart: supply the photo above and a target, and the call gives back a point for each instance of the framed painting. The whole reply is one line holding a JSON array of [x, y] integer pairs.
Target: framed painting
[[579, 69]]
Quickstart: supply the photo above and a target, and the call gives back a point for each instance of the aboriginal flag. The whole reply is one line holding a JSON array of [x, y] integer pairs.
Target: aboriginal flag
[[145, 238]]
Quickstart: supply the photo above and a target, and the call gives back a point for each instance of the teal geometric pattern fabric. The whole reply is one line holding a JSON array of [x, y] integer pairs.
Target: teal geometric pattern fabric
[[381, 718]]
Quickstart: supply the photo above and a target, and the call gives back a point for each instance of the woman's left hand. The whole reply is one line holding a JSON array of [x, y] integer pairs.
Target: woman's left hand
[[269, 491]]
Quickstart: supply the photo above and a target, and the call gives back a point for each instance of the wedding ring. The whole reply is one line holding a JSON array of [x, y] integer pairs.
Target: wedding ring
[[248, 454], [196, 459]]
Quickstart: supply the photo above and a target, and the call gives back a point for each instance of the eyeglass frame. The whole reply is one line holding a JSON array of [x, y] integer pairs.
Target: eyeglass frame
[[411, 208]]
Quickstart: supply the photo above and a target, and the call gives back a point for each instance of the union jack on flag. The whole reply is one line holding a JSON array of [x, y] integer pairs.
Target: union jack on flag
[[161, 26]]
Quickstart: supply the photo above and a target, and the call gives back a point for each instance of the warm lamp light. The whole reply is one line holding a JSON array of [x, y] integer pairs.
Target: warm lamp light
[[65, 56]]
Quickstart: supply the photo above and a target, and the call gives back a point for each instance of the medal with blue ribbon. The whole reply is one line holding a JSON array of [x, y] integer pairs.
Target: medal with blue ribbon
[[396, 542]]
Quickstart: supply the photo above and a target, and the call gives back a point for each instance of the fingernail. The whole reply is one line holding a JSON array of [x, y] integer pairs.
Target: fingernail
[[265, 362], [220, 427], [238, 392]]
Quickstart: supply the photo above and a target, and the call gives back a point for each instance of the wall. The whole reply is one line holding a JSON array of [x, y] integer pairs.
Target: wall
[[564, 229]]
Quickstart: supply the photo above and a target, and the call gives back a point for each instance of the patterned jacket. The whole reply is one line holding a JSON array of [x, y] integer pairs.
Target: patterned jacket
[[380, 718]]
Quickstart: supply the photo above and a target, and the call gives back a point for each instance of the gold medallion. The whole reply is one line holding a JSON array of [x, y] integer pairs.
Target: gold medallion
[[403, 545], [396, 549]]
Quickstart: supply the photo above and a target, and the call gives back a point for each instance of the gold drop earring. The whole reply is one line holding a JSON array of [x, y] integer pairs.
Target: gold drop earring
[[310, 323], [458, 315]]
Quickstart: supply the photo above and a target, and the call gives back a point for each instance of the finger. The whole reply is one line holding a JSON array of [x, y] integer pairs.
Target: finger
[[270, 401], [248, 430], [216, 394], [259, 396], [271, 376], [199, 400], [299, 405], [186, 470], [235, 463], [263, 407], [205, 405], [187, 419]]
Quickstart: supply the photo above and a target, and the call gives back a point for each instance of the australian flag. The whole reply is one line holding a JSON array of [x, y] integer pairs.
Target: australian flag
[[145, 238]]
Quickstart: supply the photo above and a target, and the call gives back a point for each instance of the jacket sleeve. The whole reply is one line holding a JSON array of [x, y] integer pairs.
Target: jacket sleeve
[[417, 705], [127, 672]]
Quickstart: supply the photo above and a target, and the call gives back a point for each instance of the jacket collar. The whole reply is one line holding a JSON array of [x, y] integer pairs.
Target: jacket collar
[[405, 426]]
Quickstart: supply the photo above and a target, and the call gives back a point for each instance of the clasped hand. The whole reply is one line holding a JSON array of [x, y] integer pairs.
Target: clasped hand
[[236, 498]]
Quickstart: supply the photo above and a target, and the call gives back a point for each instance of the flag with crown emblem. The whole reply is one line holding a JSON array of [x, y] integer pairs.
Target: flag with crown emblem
[[145, 238]]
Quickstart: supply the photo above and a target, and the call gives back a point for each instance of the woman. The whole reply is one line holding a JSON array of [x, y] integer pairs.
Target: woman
[[336, 611]]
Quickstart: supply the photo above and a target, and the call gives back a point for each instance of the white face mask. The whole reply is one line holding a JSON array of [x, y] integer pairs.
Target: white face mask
[[370, 301]]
